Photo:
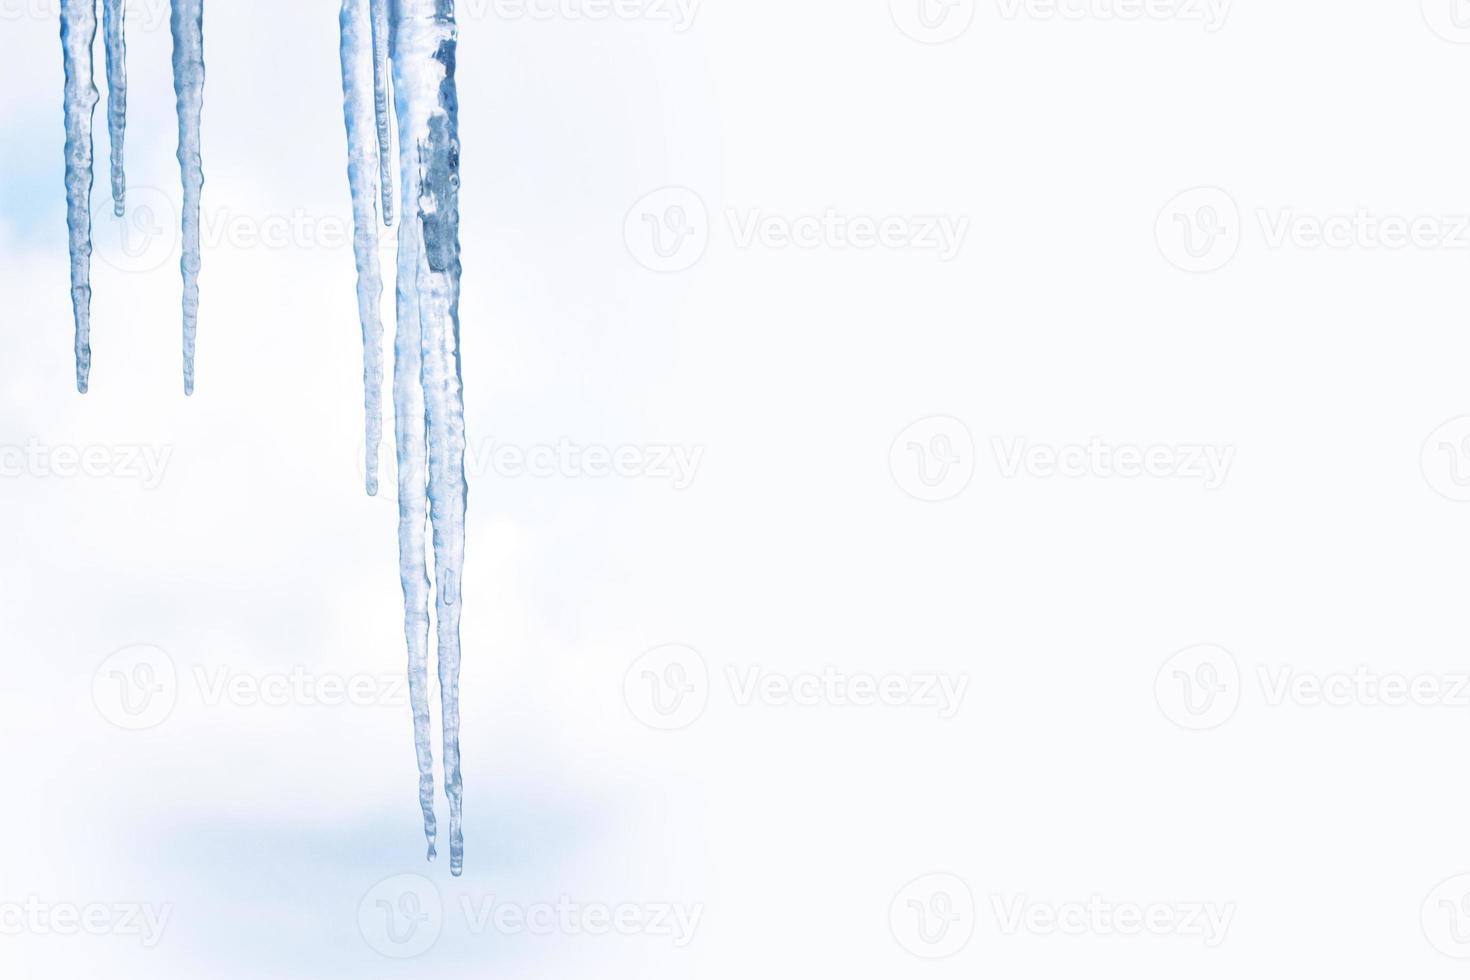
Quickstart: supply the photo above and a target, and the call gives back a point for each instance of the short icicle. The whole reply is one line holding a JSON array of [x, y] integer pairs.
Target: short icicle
[[424, 44], [78, 32], [188, 32], [114, 18], [362, 172]]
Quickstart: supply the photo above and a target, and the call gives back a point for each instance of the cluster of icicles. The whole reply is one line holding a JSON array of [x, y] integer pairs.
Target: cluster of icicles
[[78, 35], [398, 53]]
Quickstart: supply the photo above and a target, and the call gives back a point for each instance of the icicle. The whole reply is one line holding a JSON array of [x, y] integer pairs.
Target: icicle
[[424, 42], [413, 509], [114, 16], [188, 31], [78, 32], [362, 164], [379, 14]]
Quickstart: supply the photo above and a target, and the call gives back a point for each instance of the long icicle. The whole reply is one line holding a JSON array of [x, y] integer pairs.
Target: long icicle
[[78, 32], [188, 31], [362, 172], [413, 511], [114, 19], [379, 14], [424, 44]]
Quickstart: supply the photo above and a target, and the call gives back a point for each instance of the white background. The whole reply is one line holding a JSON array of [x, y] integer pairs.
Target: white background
[[810, 837]]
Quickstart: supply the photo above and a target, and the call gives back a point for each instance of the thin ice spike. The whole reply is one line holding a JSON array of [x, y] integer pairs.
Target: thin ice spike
[[188, 33], [362, 172], [114, 19], [78, 32]]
